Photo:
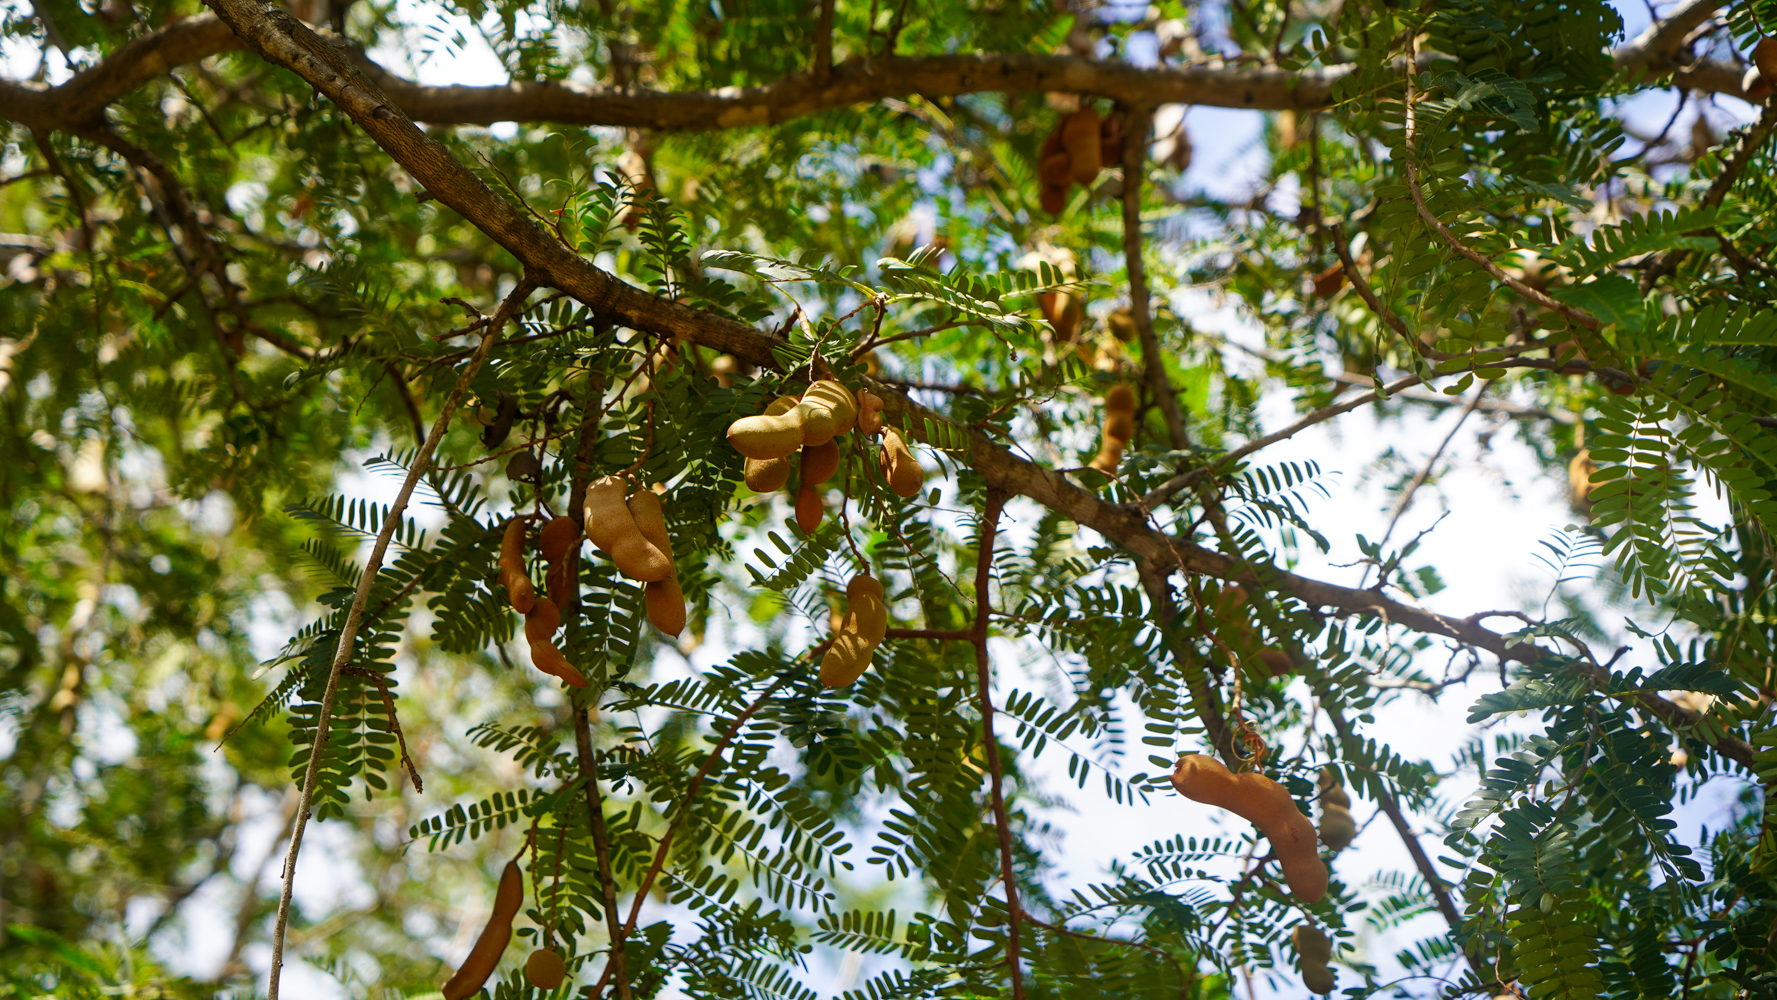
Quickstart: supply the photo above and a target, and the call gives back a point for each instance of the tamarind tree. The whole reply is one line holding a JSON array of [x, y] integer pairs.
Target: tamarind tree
[[299, 354]]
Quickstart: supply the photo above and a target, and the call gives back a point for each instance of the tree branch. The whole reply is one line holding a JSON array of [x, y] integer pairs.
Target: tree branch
[[355, 615], [601, 847], [990, 522], [1135, 158]]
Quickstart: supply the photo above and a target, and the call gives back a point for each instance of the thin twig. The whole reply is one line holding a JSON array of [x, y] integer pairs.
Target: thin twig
[[355, 615], [1751, 141], [1135, 156], [990, 520], [1406, 500]]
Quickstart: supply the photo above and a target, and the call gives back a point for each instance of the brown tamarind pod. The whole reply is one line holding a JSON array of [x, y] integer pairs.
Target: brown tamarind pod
[[1277, 662], [1122, 324], [1063, 310], [869, 412], [539, 632], [1055, 170], [1265, 804], [1052, 198], [610, 526], [1119, 428], [554, 662], [545, 970], [1079, 133], [809, 509], [665, 602], [664, 599], [819, 462], [1111, 140], [866, 622], [1764, 56], [767, 475], [775, 433], [829, 410], [899, 466], [494, 937], [557, 537], [505, 409], [1313, 951], [520, 592]]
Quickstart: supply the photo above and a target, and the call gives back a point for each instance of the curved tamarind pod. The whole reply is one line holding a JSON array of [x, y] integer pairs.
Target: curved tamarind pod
[[828, 409], [611, 527], [1055, 170], [663, 598], [1052, 199], [1079, 133], [869, 412], [545, 970], [1119, 428], [1111, 140], [773, 434], [899, 467], [767, 475], [666, 605], [819, 462], [519, 590], [494, 937], [1265, 804], [557, 537], [1313, 950], [554, 663], [866, 622], [809, 509], [541, 623], [1764, 56], [1063, 309], [539, 632]]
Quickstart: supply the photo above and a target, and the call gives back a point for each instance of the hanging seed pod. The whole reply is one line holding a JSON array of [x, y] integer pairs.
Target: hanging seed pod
[[866, 622], [505, 410], [664, 600], [1313, 951], [520, 592], [1336, 825], [1119, 428], [545, 970], [523, 467], [1265, 804], [899, 466], [610, 526], [494, 938], [539, 632], [1121, 323], [869, 412], [1080, 134]]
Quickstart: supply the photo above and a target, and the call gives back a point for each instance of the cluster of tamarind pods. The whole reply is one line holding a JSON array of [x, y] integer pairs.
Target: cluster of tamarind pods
[[544, 969], [1074, 153], [808, 425], [1269, 806]]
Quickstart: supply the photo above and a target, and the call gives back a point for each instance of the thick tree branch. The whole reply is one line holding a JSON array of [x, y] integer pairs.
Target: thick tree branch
[[80, 100]]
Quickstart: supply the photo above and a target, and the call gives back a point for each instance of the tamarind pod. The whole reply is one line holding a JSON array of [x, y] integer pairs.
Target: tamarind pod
[[1313, 950], [1109, 454], [1079, 133], [666, 605], [556, 582], [611, 527], [1120, 398], [829, 410], [501, 425], [1055, 170], [1764, 56], [768, 435], [1063, 310], [1265, 804], [520, 592], [554, 663], [1277, 661], [819, 462], [545, 970], [809, 509], [1122, 324], [767, 475], [557, 537], [494, 937], [1052, 144], [866, 622], [650, 518], [899, 466], [541, 623], [869, 412], [1052, 199], [1337, 828], [1111, 139]]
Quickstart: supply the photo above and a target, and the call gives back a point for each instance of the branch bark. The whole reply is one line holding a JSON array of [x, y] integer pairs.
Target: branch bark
[[990, 522], [355, 614], [81, 100]]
